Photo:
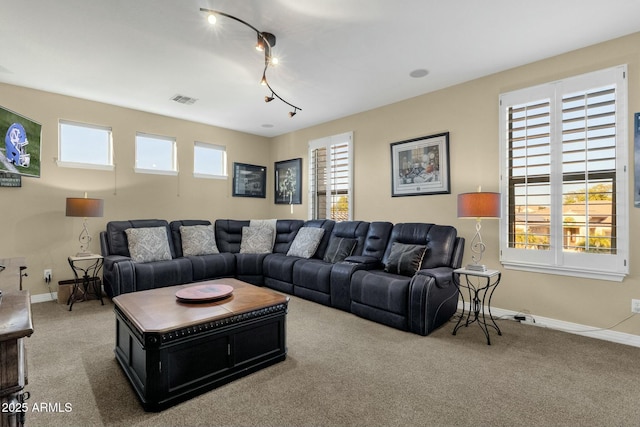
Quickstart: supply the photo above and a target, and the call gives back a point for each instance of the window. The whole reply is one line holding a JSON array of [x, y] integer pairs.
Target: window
[[209, 160], [564, 177], [156, 154], [331, 181], [84, 146]]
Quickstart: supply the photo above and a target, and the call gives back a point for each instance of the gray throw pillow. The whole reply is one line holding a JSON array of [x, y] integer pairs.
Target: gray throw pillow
[[339, 248], [256, 240], [405, 259], [198, 240], [306, 242], [148, 244]]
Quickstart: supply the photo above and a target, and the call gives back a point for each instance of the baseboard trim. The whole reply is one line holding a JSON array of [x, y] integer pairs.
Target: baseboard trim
[[572, 328]]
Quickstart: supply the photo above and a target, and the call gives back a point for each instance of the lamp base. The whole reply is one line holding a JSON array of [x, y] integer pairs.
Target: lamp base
[[476, 267]]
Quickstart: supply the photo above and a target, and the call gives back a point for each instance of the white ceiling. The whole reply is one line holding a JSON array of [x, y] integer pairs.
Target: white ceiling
[[337, 57]]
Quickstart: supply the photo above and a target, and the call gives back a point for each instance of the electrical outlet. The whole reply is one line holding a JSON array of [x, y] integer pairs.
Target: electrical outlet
[[635, 305], [47, 275]]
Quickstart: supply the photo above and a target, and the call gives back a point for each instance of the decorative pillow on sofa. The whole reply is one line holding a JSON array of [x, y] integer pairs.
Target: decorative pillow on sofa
[[256, 240], [339, 248], [266, 223], [405, 259], [306, 242], [198, 240], [148, 244]]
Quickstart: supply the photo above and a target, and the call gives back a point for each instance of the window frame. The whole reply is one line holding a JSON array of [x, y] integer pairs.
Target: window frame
[[174, 159], [208, 146], [612, 267], [327, 143], [85, 165]]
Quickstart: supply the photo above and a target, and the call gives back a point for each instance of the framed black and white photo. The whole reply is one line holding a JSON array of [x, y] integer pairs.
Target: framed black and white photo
[[288, 182], [249, 180], [420, 166]]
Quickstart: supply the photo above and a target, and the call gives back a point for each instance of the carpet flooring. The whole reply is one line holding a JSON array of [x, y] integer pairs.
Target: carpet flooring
[[342, 370]]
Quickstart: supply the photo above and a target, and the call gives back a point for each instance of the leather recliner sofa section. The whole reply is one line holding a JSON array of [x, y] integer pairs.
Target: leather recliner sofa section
[[418, 302], [346, 271]]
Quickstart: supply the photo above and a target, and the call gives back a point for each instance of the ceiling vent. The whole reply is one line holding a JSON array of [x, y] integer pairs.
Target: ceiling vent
[[183, 99]]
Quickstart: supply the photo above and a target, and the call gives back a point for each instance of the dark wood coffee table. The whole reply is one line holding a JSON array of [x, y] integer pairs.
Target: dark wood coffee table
[[172, 351]]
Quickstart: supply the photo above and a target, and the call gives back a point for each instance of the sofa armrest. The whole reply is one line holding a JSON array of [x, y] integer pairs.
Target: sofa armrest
[[118, 275], [341, 273], [369, 262], [443, 275], [431, 304]]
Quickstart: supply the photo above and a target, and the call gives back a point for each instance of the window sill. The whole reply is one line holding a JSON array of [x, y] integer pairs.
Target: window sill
[[156, 171], [75, 165], [566, 271], [207, 176]]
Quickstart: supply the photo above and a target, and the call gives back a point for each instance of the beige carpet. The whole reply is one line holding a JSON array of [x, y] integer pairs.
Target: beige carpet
[[345, 371]]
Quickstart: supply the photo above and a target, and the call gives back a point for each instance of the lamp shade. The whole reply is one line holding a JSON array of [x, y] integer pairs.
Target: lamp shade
[[479, 205], [84, 207]]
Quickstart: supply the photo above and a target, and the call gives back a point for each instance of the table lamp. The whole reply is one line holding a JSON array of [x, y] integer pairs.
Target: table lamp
[[478, 205], [84, 207]]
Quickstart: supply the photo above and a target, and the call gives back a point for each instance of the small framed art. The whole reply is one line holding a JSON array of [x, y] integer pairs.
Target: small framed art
[[249, 180], [288, 182]]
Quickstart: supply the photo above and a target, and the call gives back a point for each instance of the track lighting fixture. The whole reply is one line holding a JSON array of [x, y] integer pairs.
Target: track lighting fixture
[[265, 42]]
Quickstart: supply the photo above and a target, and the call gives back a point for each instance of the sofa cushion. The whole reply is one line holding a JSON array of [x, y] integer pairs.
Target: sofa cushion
[[256, 240], [405, 259], [339, 248], [148, 244], [198, 240], [306, 242]]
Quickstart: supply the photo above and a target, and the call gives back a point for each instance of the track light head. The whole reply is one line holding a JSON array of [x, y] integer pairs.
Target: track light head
[[269, 98], [293, 113], [212, 18], [260, 44], [265, 41]]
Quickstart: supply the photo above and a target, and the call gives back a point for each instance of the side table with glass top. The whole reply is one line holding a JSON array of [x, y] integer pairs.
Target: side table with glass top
[[85, 270], [480, 286]]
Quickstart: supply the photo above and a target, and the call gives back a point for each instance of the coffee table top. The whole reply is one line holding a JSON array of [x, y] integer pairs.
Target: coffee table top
[[158, 310]]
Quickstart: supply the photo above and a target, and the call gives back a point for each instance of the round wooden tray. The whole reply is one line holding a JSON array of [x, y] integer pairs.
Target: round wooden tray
[[204, 293]]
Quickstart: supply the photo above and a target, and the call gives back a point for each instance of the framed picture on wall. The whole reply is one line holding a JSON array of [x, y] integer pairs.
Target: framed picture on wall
[[420, 166], [249, 180], [288, 182], [20, 152], [636, 151]]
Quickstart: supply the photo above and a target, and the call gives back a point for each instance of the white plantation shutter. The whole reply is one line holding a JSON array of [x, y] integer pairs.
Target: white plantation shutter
[[330, 189], [529, 175], [588, 167], [564, 176]]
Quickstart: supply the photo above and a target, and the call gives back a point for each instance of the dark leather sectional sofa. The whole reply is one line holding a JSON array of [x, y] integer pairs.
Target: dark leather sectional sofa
[[418, 301]]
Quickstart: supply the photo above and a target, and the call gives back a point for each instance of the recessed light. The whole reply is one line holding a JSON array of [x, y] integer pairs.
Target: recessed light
[[267, 125], [420, 72]]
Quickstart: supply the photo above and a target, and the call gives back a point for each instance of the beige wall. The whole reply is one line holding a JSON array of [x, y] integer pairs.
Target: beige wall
[[470, 113], [40, 232], [33, 219]]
